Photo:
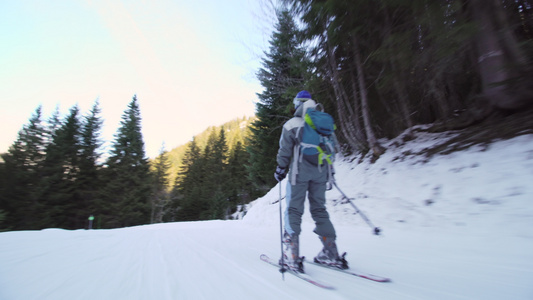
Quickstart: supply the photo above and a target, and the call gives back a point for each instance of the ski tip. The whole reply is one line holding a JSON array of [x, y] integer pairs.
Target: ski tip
[[327, 287], [376, 278]]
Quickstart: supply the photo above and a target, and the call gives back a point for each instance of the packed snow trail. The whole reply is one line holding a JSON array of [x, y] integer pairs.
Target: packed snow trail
[[220, 260], [454, 227]]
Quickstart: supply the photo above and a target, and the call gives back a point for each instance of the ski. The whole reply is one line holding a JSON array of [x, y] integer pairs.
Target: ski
[[350, 272], [305, 277]]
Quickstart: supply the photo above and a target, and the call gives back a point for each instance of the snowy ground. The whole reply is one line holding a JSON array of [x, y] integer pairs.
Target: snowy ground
[[454, 227]]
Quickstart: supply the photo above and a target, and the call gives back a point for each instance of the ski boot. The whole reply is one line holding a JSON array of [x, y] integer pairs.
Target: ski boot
[[291, 258], [329, 255]]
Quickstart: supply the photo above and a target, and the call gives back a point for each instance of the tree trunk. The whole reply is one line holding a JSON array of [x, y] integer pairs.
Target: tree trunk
[[377, 149], [356, 110], [495, 54], [436, 89]]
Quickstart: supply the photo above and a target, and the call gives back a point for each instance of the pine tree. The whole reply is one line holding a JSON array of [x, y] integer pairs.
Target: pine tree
[[188, 192], [53, 124], [21, 173], [125, 198], [284, 73], [217, 176], [239, 187], [160, 198], [208, 170], [89, 179], [176, 194], [58, 188], [90, 141]]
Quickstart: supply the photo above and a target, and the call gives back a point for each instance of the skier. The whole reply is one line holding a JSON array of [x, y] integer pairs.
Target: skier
[[305, 176]]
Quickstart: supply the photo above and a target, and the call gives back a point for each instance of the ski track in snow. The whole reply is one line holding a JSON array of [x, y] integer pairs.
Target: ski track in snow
[[454, 227]]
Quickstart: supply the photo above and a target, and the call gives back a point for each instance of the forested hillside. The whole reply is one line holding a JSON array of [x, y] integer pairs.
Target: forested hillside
[[237, 130], [207, 176]]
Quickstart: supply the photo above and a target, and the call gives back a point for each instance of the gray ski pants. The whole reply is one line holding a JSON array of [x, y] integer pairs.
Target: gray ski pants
[[313, 183]]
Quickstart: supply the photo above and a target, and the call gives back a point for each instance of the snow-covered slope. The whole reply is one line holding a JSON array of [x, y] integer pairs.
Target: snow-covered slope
[[454, 226]]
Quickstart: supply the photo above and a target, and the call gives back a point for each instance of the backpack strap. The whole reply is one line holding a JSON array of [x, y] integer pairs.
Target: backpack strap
[[295, 158], [322, 155]]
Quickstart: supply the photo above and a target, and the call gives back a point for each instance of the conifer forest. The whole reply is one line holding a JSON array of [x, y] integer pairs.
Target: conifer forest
[[379, 67]]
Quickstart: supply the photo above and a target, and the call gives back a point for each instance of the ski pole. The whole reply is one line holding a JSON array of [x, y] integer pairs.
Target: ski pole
[[377, 231], [282, 269]]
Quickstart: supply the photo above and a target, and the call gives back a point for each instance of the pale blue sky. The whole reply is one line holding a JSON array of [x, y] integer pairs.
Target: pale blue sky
[[192, 64]]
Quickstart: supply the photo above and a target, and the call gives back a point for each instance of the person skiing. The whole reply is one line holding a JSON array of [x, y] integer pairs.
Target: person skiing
[[305, 177]]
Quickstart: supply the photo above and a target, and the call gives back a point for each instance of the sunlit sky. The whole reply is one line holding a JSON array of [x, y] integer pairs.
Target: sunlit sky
[[192, 64]]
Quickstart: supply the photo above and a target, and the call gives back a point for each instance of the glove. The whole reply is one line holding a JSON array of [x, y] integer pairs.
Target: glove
[[280, 173]]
